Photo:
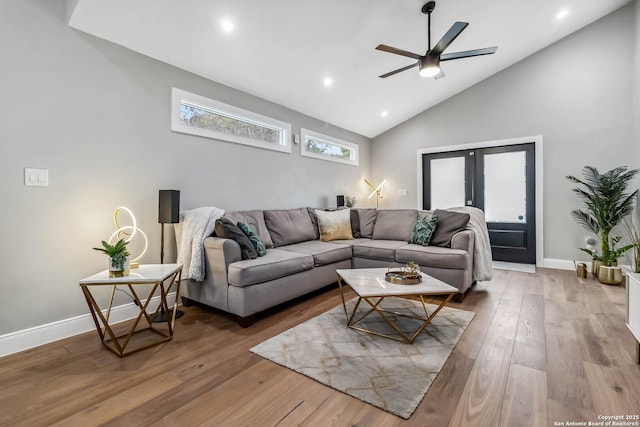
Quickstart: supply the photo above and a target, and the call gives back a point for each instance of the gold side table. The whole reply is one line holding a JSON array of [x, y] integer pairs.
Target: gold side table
[[154, 277]]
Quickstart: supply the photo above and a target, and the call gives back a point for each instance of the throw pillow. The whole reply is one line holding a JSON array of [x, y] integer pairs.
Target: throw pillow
[[449, 223], [355, 224], [367, 218], [334, 225], [314, 221], [394, 224], [423, 230], [289, 226], [228, 230], [256, 241]]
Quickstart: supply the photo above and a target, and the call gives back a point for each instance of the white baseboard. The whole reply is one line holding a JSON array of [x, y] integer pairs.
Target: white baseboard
[[558, 264], [44, 334]]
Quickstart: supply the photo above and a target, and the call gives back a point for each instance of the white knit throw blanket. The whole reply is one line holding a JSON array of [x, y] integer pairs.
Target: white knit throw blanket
[[482, 265], [195, 225]]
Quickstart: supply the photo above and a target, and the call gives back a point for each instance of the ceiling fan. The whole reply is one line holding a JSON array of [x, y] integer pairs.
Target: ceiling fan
[[429, 63]]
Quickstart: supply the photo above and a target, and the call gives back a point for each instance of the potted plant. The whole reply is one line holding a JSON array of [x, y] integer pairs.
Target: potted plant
[[606, 202], [350, 201], [118, 257]]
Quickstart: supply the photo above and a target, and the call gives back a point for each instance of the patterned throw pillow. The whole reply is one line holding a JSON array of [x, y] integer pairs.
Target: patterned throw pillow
[[334, 225], [423, 230], [256, 241]]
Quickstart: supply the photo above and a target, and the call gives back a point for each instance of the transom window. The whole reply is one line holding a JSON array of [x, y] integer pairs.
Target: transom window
[[325, 147], [197, 115]]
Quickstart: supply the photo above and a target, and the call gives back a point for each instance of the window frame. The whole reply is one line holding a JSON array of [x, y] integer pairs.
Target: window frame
[[355, 161], [179, 96]]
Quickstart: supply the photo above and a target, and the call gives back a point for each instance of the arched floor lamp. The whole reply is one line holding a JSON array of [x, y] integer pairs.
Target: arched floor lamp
[[376, 190]]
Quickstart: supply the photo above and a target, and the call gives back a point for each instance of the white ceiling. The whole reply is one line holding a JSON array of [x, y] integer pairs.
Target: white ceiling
[[282, 50]]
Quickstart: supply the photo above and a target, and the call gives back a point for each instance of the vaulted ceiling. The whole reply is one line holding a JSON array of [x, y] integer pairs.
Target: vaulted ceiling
[[318, 57]]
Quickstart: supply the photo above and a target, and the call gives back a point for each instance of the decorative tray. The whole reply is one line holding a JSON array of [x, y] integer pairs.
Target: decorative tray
[[402, 277]]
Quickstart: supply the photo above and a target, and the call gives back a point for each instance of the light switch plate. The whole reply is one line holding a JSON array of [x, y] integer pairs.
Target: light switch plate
[[36, 177], [402, 192]]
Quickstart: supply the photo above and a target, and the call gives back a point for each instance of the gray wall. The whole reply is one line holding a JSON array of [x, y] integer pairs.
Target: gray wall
[[584, 114], [97, 116]]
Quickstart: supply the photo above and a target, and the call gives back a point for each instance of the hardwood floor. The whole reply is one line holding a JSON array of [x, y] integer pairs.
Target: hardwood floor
[[543, 348]]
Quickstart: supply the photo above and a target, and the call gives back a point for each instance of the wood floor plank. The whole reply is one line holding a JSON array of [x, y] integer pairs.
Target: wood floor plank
[[482, 397], [610, 390], [336, 411], [481, 400], [525, 399], [529, 348], [437, 406]]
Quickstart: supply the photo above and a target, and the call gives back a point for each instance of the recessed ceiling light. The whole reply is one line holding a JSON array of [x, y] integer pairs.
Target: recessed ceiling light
[[328, 81], [562, 14], [227, 25], [384, 113]]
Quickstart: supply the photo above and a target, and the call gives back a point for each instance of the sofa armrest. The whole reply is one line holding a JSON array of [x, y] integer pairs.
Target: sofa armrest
[[220, 253], [464, 240]]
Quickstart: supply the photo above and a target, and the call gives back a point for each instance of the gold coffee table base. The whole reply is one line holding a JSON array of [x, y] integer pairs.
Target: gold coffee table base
[[374, 303]]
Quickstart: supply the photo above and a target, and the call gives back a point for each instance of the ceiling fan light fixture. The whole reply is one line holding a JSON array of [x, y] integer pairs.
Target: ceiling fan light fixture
[[429, 66]]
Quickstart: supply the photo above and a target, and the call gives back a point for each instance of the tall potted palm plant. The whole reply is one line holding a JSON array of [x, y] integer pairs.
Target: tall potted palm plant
[[606, 202]]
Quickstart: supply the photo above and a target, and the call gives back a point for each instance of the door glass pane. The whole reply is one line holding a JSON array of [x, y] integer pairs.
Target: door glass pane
[[447, 182], [505, 187]]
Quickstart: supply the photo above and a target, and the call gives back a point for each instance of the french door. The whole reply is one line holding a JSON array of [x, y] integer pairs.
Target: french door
[[498, 180]]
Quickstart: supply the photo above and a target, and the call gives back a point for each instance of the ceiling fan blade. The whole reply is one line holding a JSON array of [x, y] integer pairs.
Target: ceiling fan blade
[[468, 53], [440, 75], [448, 38], [399, 70], [390, 49]]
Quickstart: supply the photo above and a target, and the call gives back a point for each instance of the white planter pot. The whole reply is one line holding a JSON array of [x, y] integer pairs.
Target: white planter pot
[[117, 270]]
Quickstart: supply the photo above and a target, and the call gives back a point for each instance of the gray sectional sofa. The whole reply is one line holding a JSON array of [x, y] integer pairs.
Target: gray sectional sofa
[[298, 262]]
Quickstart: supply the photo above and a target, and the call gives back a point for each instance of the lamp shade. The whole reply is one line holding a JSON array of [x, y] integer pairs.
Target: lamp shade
[[169, 206]]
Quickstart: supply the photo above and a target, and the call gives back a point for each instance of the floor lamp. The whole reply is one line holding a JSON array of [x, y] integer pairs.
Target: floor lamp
[[377, 191], [168, 213]]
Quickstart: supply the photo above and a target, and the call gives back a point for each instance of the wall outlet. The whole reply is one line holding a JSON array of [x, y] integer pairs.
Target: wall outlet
[[36, 177], [402, 192]]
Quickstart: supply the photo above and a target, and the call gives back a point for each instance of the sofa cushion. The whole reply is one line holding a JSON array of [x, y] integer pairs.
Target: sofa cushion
[[314, 221], [395, 224], [289, 226], [228, 230], [377, 249], [351, 242], [367, 219], [423, 230], [255, 240], [355, 223], [334, 225], [449, 223], [255, 219], [323, 252], [274, 265], [433, 256]]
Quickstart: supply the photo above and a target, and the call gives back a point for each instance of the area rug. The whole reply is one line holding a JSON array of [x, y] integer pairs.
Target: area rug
[[385, 373]]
